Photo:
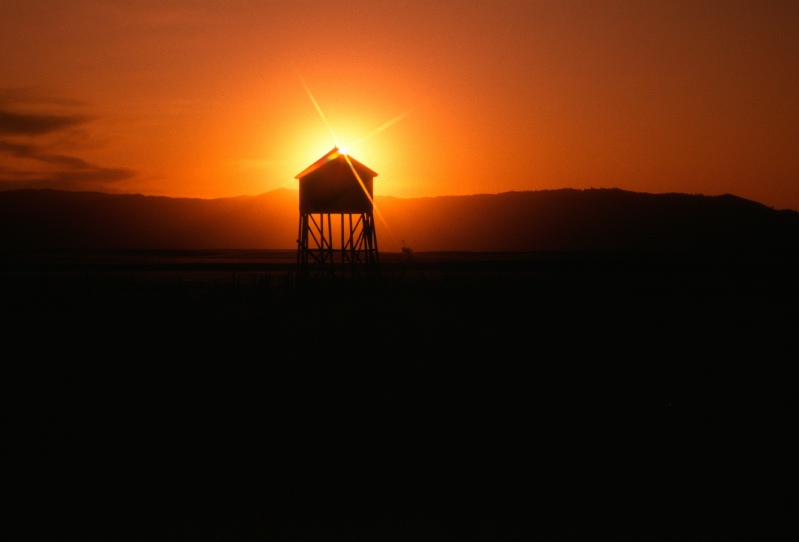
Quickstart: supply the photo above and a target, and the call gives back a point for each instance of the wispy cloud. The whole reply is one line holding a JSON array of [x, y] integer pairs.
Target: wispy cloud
[[89, 180], [61, 171], [33, 152], [35, 124]]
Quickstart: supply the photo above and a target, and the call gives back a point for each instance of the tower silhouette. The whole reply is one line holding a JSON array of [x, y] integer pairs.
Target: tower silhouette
[[337, 230]]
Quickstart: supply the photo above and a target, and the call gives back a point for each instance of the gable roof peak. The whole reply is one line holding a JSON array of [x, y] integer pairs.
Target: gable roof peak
[[335, 154]]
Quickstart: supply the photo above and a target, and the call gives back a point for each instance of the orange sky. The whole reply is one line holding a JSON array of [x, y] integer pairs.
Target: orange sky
[[202, 98]]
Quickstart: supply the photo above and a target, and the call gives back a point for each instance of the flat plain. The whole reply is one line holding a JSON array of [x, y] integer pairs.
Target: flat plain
[[211, 395]]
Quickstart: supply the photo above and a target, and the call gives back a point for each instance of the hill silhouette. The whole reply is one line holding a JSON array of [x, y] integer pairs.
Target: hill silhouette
[[546, 220], [51, 219]]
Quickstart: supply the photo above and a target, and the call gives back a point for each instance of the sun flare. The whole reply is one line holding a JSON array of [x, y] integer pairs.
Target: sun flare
[[354, 129]]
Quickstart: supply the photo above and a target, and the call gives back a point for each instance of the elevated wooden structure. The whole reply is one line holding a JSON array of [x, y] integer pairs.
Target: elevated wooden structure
[[337, 229]]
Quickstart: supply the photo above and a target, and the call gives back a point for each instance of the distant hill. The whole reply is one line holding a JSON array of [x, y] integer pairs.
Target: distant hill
[[51, 219], [595, 219], [567, 219]]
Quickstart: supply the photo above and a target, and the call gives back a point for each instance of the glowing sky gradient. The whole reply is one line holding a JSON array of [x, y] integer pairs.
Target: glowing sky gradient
[[205, 98]]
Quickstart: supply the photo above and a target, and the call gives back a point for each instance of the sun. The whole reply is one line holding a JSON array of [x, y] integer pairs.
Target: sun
[[343, 150]]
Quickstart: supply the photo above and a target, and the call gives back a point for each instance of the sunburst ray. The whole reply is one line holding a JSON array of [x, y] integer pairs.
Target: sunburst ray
[[319, 110], [384, 126], [377, 130]]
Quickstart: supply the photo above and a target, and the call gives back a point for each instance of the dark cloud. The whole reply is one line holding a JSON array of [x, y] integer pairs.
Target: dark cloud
[[29, 157], [93, 178], [92, 175], [68, 172], [25, 150], [32, 124], [21, 150]]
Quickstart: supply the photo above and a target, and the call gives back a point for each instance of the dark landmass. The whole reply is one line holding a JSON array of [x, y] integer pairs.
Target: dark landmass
[[547, 220], [592, 220], [51, 219], [555, 364], [205, 395]]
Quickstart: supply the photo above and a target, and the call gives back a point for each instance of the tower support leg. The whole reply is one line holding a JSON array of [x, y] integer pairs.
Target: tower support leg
[[344, 247]]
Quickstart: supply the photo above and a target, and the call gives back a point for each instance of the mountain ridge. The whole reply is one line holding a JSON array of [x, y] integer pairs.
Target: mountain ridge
[[518, 221]]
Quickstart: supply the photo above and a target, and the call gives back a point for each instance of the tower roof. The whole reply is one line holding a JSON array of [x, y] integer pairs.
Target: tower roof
[[336, 156]]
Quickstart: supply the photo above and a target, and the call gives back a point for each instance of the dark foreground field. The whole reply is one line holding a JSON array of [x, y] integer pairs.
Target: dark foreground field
[[160, 396]]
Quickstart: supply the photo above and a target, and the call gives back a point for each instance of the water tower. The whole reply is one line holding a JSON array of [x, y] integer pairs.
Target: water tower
[[337, 229]]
